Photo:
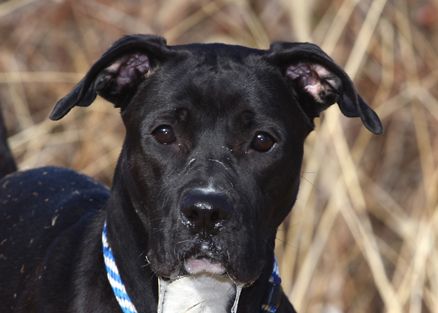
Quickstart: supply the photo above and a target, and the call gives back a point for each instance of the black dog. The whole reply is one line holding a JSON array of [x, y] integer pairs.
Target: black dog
[[209, 168]]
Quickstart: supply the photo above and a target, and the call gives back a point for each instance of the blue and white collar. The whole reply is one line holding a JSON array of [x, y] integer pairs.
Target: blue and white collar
[[271, 304], [114, 277]]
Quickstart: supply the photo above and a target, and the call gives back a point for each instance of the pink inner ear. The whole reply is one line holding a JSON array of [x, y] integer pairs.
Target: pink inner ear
[[128, 70], [315, 80]]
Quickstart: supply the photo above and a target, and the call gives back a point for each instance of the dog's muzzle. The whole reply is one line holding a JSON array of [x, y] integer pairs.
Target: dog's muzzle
[[204, 213]]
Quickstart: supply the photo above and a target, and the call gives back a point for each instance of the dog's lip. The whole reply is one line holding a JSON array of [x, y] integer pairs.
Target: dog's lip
[[198, 265]]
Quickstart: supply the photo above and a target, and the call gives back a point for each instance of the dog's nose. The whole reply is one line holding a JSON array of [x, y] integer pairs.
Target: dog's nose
[[205, 212]]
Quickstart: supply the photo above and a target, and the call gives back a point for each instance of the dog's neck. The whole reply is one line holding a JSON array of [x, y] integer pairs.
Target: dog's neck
[[129, 246]]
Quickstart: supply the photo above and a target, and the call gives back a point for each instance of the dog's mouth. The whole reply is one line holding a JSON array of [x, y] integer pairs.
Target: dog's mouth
[[203, 258], [212, 262], [206, 257], [202, 264], [195, 260]]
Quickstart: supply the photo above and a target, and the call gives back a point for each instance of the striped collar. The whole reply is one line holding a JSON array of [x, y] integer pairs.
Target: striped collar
[[270, 306]]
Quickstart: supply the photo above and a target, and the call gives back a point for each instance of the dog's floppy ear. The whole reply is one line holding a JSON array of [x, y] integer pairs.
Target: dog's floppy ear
[[117, 74], [319, 82]]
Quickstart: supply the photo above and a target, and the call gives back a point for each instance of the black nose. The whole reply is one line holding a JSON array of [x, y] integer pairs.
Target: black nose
[[205, 212]]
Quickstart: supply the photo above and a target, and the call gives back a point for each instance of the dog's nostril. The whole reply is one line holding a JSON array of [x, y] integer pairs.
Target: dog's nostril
[[205, 212], [190, 215]]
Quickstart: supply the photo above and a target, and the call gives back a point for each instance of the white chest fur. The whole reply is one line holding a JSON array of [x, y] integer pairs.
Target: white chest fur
[[197, 294]]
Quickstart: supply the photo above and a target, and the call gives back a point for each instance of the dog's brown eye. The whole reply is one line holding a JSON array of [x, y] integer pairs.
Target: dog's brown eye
[[262, 142], [164, 134]]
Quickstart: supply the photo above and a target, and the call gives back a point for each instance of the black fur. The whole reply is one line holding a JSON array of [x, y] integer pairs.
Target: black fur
[[216, 99]]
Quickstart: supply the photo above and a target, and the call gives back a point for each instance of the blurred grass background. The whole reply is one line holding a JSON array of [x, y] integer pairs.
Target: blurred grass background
[[363, 235]]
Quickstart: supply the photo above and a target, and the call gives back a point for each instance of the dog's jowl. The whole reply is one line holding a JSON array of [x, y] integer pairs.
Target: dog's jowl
[[209, 168]]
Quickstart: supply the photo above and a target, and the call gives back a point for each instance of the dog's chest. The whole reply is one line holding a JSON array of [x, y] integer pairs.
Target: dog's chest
[[197, 294]]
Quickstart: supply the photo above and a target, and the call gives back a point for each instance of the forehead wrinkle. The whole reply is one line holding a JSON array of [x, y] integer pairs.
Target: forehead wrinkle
[[218, 89], [209, 97]]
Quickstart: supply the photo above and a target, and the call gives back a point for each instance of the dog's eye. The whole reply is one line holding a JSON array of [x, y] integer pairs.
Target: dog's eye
[[262, 142], [164, 134]]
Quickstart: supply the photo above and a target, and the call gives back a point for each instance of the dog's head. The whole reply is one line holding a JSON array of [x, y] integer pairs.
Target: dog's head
[[214, 142]]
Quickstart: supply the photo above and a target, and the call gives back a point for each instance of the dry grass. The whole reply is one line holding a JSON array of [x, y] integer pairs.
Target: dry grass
[[363, 235]]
